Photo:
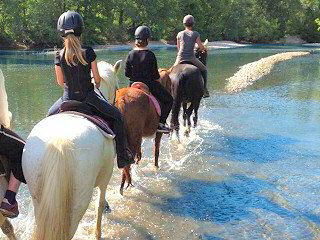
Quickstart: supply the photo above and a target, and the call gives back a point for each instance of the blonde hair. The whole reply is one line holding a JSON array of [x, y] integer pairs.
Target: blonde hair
[[73, 51]]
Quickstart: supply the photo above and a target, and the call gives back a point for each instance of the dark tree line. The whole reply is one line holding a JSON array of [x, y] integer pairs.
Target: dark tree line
[[33, 22]]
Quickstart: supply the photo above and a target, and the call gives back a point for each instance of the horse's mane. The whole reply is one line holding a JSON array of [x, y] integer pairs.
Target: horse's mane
[[5, 115], [108, 78], [165, 79]]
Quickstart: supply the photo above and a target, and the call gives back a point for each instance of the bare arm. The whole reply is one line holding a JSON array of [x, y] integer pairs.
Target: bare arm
[[59, 75], [95, 73], [178, 44], [201, 46]]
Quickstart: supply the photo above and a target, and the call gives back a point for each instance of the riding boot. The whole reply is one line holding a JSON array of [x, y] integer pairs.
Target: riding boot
[[109, 112], [124, 155]]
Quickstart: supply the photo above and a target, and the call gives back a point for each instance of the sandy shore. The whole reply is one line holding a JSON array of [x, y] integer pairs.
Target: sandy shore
[[253, 71]]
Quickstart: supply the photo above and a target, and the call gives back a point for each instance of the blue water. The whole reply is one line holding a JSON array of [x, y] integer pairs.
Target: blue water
[[250, 170]]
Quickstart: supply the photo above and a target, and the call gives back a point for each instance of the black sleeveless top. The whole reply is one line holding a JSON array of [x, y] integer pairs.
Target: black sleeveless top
[[77, 79]]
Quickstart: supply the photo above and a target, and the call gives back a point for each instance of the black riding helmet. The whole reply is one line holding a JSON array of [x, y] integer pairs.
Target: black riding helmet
[[142, 33], [70, 22]]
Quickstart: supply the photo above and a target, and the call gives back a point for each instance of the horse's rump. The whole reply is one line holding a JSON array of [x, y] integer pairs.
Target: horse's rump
[[187, 81], [138, 111], [65, 149]]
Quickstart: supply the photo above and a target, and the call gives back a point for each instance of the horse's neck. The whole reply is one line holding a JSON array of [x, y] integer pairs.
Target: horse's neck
[[108, 91]]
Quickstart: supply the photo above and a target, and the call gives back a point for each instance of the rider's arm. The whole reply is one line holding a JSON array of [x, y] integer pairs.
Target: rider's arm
[[128, 68], [201, 46], [95, 73], [155, 72], [59, 75], [58, 70], [178, 44]]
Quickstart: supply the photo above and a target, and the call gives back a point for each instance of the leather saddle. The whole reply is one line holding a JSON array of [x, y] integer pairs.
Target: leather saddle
[[84, 110]]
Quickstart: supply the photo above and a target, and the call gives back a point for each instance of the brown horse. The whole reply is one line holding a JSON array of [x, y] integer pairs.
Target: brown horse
[[140, 117]]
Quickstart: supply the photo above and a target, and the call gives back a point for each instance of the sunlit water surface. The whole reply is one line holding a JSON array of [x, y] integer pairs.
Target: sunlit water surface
[[250, 170]]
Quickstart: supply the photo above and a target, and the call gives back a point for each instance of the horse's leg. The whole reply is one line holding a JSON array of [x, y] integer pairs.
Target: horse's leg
[[138, 147], [177, 100], [187, 116], [195, 110], [99, 210], [126, 176], [7, 227], [157, 141], [184, 107]]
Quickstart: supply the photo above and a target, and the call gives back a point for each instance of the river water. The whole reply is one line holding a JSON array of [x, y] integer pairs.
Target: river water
[[250, 170]]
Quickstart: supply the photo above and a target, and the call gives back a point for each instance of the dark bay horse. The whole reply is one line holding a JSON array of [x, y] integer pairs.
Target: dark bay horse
[[140, 116], [187, 88]]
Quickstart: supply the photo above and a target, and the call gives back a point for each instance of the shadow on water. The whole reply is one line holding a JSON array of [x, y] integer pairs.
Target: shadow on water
[[221, 202], [269, 148]]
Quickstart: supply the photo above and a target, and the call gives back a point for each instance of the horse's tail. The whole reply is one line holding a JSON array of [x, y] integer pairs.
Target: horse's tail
[[53, 216]]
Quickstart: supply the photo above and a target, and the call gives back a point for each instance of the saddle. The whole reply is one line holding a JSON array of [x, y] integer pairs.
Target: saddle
[[83, 110], [143, 87]]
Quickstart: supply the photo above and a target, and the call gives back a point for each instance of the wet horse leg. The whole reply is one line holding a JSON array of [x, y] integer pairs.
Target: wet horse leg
[[195, 110], [157, 141], [99, 210], [126, 176], [184, 107], [188, 113], [177, 100], [7, 227]]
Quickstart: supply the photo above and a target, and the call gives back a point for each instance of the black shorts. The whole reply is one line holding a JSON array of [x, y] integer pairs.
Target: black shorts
[[11, 146]]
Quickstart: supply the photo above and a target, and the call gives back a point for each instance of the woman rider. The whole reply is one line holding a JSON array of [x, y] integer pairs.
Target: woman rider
[[73, 66]]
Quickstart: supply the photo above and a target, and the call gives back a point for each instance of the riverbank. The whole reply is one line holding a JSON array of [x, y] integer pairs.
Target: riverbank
[[290, 40]]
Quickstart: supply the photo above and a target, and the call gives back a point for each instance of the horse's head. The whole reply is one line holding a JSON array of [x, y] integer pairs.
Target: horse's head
[[164, 79], [5, 114], [109, 79], [202, 55]]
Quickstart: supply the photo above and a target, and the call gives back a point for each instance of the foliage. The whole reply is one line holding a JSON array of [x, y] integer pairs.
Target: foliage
[[33, 22]]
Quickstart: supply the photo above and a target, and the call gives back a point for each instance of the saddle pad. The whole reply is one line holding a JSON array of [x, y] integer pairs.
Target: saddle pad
[[102, 125], [143, 87]]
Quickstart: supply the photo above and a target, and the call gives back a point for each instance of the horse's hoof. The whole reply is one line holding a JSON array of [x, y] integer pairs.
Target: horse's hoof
[[106, 208], [129, 185], [121, 191]]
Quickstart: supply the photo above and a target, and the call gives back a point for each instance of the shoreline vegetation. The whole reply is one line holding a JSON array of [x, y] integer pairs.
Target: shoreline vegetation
[[211, 45]]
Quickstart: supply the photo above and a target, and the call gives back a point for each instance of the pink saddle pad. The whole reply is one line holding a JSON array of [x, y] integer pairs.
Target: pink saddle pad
[[152, 99]]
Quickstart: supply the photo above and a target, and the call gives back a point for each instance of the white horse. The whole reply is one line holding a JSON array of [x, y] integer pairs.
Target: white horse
[[5, 120], [64, 159]]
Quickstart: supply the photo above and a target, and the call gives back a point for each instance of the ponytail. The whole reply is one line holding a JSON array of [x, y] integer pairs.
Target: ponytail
[[73, 51]]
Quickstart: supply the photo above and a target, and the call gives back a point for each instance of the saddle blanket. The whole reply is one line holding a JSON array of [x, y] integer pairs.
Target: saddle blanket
[[102, 125]]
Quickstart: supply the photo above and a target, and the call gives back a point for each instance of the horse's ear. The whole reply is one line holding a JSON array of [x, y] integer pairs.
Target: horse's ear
[[117, 66], [205, 42]]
